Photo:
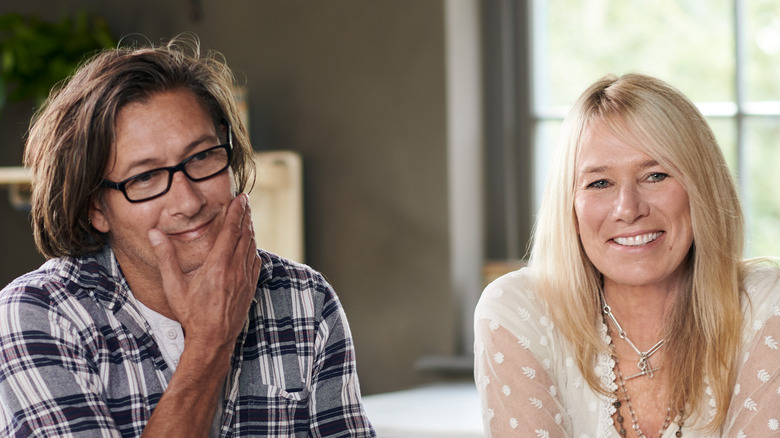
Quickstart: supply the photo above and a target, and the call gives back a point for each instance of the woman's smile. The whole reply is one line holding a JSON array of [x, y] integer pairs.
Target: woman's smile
[[638, 240], [633, 215]]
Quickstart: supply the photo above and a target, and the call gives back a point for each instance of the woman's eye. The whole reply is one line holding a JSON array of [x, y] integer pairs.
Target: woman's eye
[[600, 184], [657, 176]]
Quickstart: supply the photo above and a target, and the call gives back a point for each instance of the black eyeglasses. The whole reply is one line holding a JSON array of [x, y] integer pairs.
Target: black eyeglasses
[[156, 182]]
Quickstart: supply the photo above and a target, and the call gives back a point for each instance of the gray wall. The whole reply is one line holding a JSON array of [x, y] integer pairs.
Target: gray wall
[[358, 88]]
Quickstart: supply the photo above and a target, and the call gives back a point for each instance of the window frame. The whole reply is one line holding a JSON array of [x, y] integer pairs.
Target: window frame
[[513, 175]]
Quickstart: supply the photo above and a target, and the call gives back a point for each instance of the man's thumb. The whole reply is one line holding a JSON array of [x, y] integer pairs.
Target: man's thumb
[[168, 262]]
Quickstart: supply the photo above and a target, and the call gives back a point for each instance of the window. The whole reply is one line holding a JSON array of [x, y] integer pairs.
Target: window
[[723, 54]]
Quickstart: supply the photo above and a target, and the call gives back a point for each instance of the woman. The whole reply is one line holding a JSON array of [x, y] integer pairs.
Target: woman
[[635, 315]]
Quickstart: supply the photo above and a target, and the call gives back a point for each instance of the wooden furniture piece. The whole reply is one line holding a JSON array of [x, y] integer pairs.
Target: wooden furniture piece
[[277, 203], [17, 179], [276, 200]]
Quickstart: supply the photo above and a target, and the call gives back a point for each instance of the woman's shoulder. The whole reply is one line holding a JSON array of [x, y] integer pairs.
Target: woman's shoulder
[[762, 293], [509, 294], [762, 280], [520, 278]]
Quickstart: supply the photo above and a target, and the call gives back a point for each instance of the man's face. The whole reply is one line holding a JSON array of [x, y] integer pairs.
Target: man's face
[[160, 132]]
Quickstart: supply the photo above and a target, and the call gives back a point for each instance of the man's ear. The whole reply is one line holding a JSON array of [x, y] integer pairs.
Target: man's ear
[[97, 213]]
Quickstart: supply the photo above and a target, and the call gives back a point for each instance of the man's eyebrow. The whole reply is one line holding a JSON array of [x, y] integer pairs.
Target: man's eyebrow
[[157, 162]]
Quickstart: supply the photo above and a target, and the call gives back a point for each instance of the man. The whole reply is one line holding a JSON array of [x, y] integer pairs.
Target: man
[[156, 315]]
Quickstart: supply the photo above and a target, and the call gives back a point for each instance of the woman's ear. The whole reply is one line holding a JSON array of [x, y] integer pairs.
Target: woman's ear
[[576, 224], [97, 213]]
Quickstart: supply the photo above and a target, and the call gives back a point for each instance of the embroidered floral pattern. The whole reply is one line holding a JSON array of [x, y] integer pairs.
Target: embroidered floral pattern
[[528, 380]]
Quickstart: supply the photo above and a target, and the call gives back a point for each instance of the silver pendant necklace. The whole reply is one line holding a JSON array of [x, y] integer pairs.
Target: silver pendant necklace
[[621, 382], [645, 368]]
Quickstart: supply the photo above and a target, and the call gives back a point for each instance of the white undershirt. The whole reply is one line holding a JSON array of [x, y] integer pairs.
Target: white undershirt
[[167, 333], [170, 338]]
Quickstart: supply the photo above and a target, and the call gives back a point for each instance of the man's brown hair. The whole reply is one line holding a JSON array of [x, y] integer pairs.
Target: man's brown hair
[[71, 136]]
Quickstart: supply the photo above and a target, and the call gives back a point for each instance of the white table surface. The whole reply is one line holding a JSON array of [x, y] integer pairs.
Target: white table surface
[[450, 410]]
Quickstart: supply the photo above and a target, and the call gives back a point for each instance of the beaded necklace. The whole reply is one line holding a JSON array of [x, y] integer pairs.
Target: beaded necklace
[[645, 370], [634, 421]]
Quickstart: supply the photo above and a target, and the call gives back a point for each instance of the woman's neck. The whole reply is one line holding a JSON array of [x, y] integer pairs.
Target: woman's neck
[[641, 311]]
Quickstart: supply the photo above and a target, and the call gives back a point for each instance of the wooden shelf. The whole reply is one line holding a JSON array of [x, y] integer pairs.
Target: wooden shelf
[[276, 200], [14, 176], [17, 179]]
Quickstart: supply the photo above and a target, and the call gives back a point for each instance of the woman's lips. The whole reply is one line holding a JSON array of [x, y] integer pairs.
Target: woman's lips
[[638, 240]]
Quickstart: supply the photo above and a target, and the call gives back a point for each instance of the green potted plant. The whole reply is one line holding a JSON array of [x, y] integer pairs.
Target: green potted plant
[[36, 54]]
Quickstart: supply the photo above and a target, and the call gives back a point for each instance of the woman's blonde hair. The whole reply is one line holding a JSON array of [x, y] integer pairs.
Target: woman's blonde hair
[[703, 329], [71, 136]]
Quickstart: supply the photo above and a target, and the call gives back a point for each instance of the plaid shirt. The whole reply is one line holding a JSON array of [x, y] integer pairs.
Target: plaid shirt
[[78, 359]]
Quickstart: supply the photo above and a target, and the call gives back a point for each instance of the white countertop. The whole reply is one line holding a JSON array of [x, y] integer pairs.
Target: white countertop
[[450, 410]]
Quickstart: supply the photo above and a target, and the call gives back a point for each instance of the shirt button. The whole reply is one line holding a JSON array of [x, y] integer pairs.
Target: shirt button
[[171, 334]]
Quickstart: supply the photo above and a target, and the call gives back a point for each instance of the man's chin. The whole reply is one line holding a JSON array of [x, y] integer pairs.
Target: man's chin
[[190, 262], [190, 269]]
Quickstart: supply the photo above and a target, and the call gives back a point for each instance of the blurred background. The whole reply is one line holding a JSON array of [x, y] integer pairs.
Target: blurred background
[[425, 127]]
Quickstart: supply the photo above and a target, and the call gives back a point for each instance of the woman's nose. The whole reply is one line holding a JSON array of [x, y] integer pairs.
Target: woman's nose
[[630, 204]]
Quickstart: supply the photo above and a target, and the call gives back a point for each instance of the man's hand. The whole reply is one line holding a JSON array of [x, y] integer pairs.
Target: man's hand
[[212, 305]]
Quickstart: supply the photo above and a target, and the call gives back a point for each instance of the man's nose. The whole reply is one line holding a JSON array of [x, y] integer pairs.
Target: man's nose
[[186, 197]]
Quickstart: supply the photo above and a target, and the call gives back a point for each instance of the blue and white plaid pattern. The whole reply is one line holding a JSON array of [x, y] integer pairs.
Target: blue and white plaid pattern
[[78, 359]]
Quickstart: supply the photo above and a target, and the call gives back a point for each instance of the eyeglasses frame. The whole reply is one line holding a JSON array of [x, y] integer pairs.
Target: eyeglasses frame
[[173, 169]]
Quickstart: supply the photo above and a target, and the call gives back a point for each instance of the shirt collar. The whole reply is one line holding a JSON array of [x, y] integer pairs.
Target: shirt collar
[[101, 273], [110, 285]]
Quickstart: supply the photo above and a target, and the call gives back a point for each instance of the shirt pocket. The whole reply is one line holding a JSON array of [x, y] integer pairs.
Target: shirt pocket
[[292, 395], [267, 409]]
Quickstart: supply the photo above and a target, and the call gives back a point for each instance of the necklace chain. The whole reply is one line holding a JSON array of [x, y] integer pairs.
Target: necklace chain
[[634, 420], [645, 368]]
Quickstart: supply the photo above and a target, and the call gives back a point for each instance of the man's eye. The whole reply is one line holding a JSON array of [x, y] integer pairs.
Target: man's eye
[[201, 156], [146, 178]]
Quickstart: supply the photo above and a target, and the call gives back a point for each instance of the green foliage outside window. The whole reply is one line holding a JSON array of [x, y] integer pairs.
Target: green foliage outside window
[[691, 44]]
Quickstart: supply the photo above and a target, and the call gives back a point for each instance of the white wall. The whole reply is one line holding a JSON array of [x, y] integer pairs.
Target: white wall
[[379, 98]]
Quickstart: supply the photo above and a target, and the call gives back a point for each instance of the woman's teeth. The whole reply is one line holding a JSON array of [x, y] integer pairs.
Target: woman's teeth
[[640, 240]]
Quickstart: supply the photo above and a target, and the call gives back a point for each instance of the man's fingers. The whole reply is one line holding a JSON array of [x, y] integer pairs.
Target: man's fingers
[[168, 261], [241, 235], [246, 248], [257, 263], [231, 231], [246, 243]]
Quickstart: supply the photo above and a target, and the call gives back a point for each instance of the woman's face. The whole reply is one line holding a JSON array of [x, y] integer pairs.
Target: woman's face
[[633, 217]]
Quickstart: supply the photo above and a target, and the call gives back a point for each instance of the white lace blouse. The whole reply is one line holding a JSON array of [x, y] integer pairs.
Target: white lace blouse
[[530, 385]]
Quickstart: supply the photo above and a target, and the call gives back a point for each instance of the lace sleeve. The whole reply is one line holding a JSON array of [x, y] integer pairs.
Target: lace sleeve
[[518, 396], [755, 407], [518, 362]]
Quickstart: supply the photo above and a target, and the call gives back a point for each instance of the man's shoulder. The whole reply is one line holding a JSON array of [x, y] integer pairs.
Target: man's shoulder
[[285, 285], [281, 273], [63, 275]]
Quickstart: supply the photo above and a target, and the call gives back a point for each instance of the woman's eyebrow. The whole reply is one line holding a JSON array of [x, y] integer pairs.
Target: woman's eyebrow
[[646, 164]]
